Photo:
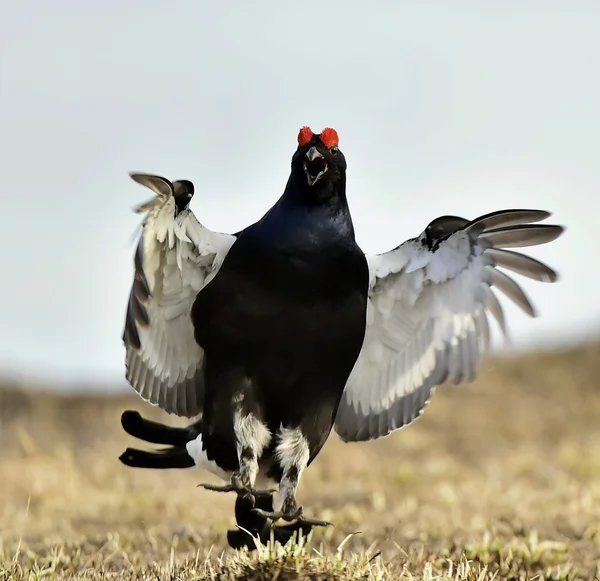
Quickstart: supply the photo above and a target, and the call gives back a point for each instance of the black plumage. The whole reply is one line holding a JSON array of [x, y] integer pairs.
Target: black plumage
[[281, 325]]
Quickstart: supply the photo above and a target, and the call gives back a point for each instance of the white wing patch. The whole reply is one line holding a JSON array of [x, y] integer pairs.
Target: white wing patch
[[427, 315], [175, 258]]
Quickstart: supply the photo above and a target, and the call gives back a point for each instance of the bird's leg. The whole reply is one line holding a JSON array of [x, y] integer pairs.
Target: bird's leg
[[252, 436], [292, 453]]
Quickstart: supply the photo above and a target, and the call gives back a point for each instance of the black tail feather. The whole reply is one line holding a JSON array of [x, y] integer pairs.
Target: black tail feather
[[138, 427], [174, 457], [168, 458]]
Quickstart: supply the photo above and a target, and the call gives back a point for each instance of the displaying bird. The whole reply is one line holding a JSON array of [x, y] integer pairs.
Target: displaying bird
[[275, 335]]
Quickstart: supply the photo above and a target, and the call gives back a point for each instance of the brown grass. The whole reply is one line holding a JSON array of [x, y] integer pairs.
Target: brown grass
[[498, 480]]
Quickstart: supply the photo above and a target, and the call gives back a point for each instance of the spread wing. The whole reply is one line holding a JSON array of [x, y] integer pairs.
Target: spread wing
[[175, 258], [427, 323]]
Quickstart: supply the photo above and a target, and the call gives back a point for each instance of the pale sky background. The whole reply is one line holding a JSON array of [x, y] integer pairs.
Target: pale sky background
[[459, 107]]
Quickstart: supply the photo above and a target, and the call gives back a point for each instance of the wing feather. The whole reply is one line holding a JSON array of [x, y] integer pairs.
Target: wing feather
[[427, 314], [511, 289], [521, 264], [522, 235], [175, 258]]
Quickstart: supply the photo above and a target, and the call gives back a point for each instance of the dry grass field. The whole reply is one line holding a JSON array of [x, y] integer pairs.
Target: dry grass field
[[498, 480]]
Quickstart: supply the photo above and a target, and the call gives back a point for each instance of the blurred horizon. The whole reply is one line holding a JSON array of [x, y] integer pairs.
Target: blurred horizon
[[116, 385], [460, 109]]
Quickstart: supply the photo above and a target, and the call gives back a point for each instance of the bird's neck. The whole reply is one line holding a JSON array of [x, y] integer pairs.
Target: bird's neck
[[304, 211]]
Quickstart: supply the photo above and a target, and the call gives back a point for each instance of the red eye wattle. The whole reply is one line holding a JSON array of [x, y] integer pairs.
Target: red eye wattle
[[304, 136], [329, 137]]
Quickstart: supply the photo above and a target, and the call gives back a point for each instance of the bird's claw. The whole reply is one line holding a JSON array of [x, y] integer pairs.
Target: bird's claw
[[250, 493], [288, 517]]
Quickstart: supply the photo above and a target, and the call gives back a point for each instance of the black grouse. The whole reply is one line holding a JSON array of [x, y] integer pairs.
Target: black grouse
[[274, 335]]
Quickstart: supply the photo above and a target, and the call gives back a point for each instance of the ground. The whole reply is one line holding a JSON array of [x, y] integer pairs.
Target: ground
[[497, 480]]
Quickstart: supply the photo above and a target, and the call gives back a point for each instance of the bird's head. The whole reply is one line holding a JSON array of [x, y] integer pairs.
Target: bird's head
[[318, 164]]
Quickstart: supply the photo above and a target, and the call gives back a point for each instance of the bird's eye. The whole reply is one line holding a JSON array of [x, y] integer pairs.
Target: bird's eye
[[333, 149]]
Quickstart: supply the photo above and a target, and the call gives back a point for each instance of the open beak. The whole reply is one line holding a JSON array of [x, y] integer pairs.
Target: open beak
[[315, 166]]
